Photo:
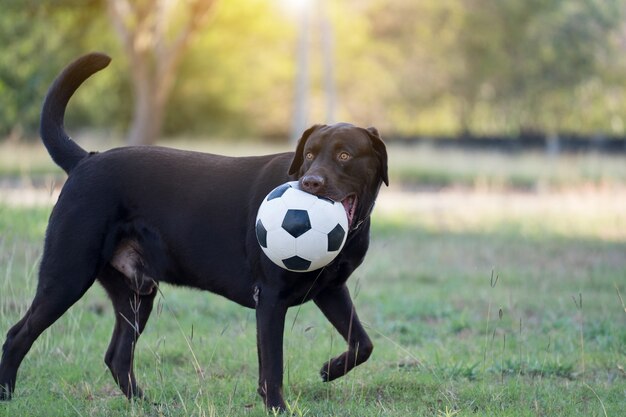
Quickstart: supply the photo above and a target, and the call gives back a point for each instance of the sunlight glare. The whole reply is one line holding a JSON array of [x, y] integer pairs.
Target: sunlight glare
[[296, 7]]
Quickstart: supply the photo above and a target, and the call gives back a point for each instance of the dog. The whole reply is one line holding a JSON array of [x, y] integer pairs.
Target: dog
[[134, 217]]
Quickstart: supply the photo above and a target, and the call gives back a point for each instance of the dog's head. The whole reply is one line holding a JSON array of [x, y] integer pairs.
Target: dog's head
[[344, 163]]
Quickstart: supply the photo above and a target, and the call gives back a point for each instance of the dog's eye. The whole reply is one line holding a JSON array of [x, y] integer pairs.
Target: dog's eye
[[344, 156], [309, 156]]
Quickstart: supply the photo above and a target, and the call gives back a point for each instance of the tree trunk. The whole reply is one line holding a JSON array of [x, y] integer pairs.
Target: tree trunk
[[145, 125], [301, 97], [150, 92], [147, 120], [153, 57]]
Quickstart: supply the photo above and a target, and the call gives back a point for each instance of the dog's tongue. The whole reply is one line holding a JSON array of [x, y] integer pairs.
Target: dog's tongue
[[349, 205]]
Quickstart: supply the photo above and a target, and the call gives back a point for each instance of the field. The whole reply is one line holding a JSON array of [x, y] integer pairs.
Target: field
[[494, 286]]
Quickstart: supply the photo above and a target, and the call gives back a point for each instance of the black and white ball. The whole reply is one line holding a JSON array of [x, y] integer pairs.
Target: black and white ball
[[299, 231]]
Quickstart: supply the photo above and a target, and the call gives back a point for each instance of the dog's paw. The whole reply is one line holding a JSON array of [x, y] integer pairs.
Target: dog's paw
[[5, 392], [324, 374], [278, 408], [332, 369], [274, 403]]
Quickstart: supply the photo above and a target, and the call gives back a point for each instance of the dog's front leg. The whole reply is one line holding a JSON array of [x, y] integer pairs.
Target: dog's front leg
[[337, 306], [270, 322]]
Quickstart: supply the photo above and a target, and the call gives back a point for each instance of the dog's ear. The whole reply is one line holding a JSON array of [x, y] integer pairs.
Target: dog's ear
[[381, 152], [298, 158]]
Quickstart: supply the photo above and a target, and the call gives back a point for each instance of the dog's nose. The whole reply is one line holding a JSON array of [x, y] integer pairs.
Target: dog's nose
[[312, 183]]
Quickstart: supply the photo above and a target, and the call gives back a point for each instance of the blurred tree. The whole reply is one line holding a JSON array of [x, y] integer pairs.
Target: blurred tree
[[34, 49], [406, 66], [525, 59], [490, 66], [155, 34], [236, 79], [20, 77], [409, 54]]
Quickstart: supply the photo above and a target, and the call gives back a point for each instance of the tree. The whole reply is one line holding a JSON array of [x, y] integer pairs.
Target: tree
[[155, 35], [40, 37], [528, 58]]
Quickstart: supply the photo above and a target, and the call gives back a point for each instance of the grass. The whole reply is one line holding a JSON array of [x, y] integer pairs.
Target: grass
[[481, 301], [422, 165]]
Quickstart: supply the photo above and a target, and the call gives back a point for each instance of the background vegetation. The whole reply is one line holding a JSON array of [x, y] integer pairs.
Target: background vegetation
[[408, 67]]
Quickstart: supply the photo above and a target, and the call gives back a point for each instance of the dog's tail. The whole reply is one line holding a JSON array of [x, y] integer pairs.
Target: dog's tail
[[63, 150]]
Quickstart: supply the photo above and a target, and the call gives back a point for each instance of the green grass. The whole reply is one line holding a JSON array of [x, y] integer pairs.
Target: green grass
[[427, 298], [472, 299]]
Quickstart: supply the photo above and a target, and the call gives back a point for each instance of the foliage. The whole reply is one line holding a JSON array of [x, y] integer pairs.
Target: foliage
[[433, 66], [40, 38], [530, 57], [236, 78], [155, 35]]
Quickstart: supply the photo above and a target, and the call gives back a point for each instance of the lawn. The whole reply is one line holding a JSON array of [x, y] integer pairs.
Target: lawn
[[483, 296]]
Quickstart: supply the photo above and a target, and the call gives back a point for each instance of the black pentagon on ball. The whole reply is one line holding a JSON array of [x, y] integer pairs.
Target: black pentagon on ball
[[296, 263], [335, 238], [278, 191], [261, 234], [296, 222]]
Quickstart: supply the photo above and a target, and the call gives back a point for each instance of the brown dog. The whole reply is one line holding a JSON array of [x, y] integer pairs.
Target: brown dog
[[137, 216]]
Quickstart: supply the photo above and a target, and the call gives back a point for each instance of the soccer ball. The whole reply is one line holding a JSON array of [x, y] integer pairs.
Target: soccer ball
[[299, 231]]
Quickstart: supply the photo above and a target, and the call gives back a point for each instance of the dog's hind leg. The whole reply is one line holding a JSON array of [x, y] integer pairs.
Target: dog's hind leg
[[132, 311], [61, 283], [69, 265]]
